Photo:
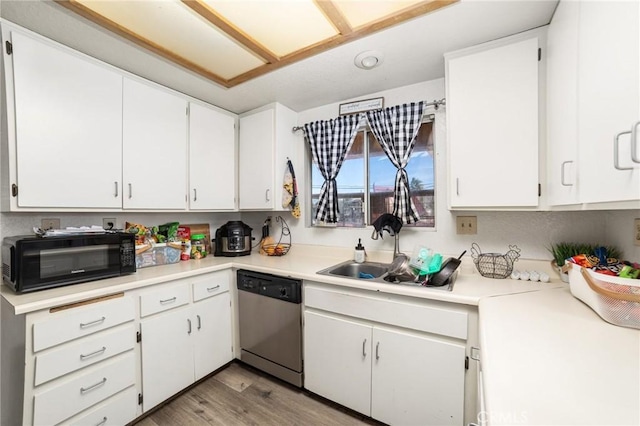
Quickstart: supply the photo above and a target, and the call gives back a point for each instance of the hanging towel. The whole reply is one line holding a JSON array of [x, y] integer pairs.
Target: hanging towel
[[290, 193]]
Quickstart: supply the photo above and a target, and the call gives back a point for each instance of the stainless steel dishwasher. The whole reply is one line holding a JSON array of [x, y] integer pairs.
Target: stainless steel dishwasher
[[270, 316]]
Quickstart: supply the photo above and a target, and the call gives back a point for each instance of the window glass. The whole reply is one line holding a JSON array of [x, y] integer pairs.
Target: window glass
[[367, 166], [420, 170]]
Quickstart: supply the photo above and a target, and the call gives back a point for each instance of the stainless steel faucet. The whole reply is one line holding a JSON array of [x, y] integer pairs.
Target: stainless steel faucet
[[396, 247]]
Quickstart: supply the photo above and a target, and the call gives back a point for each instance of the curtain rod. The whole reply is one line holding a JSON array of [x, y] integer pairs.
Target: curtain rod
[[435, 104]]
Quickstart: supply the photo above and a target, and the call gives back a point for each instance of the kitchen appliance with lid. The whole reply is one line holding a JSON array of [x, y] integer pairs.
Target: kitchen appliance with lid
[[233, 239]]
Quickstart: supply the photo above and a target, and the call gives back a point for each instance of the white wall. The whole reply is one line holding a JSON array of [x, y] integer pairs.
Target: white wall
[[533, 232]]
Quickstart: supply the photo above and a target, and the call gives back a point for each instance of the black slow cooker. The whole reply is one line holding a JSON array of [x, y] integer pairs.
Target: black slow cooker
[[233, 239]]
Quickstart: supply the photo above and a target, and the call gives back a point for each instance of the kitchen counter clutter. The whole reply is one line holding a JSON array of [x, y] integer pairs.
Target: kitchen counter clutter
[[546, 357], [302, 262]]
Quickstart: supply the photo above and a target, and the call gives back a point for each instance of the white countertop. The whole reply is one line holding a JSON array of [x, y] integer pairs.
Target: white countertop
[[301, 262], [548, 359]]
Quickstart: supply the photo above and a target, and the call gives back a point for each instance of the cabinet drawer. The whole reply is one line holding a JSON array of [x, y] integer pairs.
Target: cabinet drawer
[[83, 353], [70, 324], [63, 400], [210, 285], [446, 321], [118, 410], [164, 299]]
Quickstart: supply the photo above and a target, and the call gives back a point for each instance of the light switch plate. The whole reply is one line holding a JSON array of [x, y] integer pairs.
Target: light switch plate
[[636, 231]]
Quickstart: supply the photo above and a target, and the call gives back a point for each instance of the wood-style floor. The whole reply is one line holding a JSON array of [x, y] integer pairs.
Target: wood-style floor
[[242, 395]]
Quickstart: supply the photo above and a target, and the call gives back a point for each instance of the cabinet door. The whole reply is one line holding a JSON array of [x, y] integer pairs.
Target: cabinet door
[[212, 170], [416, 380], [492, 126], [562, 105], [155, 148], [609, 55], [256, 145], [167, 355], [212, 344], [337, 360], [68, 128]]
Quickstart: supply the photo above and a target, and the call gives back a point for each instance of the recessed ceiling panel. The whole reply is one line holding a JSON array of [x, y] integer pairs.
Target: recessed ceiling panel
[[179, 30], [360, 13], [282, 26]]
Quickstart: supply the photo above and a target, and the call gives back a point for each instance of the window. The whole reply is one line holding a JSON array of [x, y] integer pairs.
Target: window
[[367, 166]]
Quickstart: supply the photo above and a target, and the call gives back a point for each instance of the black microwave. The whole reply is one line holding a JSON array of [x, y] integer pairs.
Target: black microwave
[[32, 263]]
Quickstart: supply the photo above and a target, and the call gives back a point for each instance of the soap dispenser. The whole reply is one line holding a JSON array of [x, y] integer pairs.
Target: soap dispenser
[[358, 255]]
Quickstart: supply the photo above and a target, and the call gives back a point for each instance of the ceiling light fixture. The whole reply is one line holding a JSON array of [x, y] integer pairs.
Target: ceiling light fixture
[[368, 60]]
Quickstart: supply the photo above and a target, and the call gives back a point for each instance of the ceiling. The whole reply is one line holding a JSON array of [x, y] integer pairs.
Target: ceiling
[[230, 42], [287, 71]]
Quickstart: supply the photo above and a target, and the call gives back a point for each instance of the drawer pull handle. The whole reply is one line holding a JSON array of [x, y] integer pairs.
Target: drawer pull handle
[[94, 353], [102, 422], [173, 299], [364, 354], [92, 323], [377, 354], [189, 322], [92, 387], [199, 322], [215, 287]]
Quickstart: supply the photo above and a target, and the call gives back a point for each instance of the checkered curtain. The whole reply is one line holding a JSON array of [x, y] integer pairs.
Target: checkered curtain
[[396, 129], [330, 141]]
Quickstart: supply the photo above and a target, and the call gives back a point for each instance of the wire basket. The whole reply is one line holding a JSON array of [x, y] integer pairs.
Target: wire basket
[[279, 249], [494, 265], [284, 242]]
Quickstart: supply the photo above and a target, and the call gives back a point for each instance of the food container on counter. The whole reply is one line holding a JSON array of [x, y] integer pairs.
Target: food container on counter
[[160, 254], [198, 246], [615, 299]]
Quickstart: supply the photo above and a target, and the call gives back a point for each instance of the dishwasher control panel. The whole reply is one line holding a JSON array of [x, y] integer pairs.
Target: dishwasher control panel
[[283, 288]]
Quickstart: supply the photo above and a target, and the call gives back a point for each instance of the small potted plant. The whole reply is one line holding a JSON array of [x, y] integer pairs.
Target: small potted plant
[[562, 251]]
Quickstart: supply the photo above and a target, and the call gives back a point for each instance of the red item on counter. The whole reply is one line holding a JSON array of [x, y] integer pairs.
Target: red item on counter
[[184, 236]]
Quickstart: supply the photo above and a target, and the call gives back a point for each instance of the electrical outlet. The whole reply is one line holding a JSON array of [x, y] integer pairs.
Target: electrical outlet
[[466, 225], [636, 232], [109, 223], [50, 224]]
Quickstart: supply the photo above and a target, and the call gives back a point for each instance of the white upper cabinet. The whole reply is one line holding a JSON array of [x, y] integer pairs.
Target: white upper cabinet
[[492, 124], [266, 141], [66, 148], [83, 135], [154, 148], [609, 101], [212, 165], [562, 105]]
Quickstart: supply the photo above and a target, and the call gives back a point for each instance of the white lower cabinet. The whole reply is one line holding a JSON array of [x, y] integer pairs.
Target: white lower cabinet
[[92, 362], [339, 367], [212, 345], [59, 365], [117, 410], [182, 344], [371, 355], [416, 380], [64, 399]]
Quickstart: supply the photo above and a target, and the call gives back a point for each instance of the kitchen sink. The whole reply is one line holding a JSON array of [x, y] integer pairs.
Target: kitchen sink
[[373, 271], [351, 269]]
